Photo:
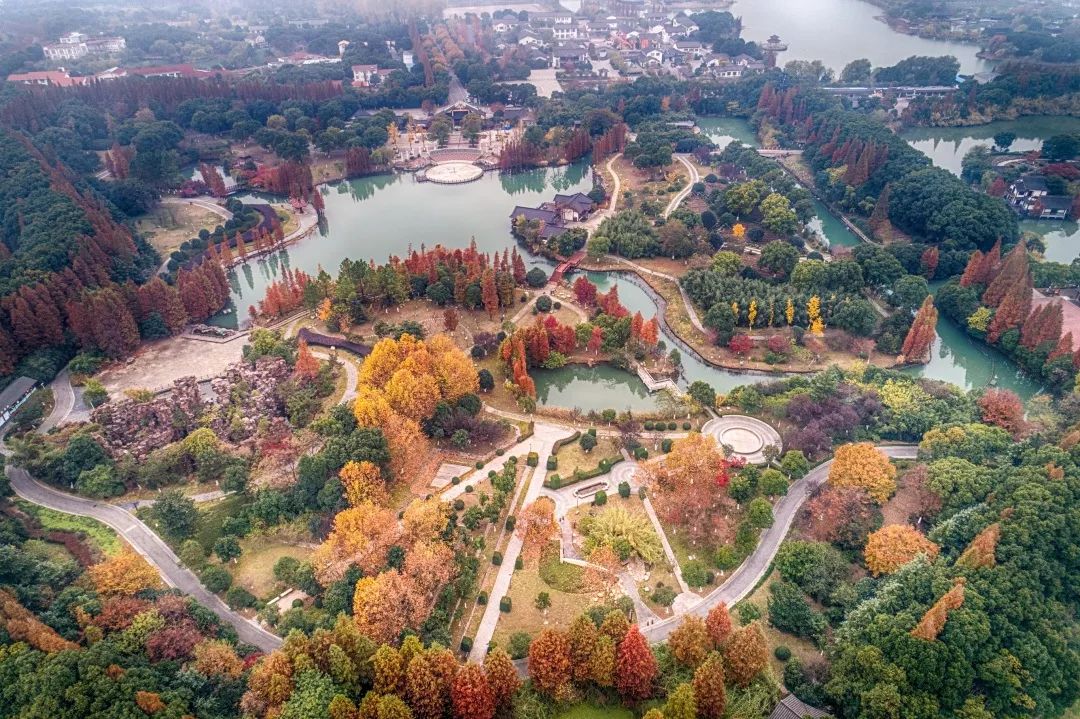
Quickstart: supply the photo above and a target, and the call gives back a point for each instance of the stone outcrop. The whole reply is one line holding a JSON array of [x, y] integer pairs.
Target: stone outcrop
[[239, 399]]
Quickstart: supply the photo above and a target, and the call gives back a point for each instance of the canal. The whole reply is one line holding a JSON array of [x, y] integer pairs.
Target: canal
[[839, 31]]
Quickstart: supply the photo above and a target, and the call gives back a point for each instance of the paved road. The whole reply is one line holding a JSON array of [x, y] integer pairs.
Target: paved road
[[146, 543], [743, 580], [684, 192], [64, 401], [352, 375]]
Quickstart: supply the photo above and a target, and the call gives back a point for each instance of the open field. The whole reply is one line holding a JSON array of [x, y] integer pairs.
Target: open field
[[254, 570], [166, 227], [157, 364]]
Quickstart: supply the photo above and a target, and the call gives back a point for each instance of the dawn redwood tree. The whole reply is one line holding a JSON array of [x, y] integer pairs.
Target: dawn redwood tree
[[931, 624], [709, 693], [690, 642], [471, 695], [718, 624], [422, 690], [583, 637], [746, 655], [923, 330], [635, 667], [503, 679], [585, 291], [549, 661]]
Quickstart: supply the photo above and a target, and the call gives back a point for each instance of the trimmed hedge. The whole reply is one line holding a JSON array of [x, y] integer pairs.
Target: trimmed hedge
[[505, 605], [466, 644], [533, 459], [686, 425], [552, 464], [641, 453], [519, 563], [511, 522], [665, 445], [482, 598], [496, 558], [563, 442], [579, 475]]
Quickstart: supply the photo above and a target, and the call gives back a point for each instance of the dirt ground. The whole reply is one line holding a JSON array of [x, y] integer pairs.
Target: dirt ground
[[157, 364], [166, 227]]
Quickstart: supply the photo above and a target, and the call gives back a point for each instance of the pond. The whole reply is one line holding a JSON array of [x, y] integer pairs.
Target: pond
[[839, 31], [946, 146], [725, 130], [375, 217]]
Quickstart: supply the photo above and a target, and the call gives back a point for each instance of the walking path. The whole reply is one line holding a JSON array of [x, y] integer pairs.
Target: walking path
[[593, 222], [63, 401], [744, 579], [201, 203], [542, 442], [690, 311], [352, 375], [695, 177], [146, 543]]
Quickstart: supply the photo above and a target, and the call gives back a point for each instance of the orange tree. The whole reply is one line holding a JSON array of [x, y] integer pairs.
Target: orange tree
[[893, 546], [863, 465]]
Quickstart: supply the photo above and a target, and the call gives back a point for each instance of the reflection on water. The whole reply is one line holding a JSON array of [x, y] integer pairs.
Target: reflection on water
[[382, 215], [592, 388], [946, 146], [1062, 239], [725, 130]]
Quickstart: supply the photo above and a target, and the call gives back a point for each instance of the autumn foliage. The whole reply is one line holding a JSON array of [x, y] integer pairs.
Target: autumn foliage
[[635, 667], [22, 626], [718, 624], [864, 466], [1003, 408], [982, 552], [746, 655], [126, 573], [536, 526], [931, 624], [920, 336], [549, 660], [893, 546]]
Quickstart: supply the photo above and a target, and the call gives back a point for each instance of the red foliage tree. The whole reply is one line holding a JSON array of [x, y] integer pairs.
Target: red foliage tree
[[740, 344], [549, 660], [929, 261], [1003, 408], [470, 694], [920, 336], [635, 667], [718, 623], [585, 291]]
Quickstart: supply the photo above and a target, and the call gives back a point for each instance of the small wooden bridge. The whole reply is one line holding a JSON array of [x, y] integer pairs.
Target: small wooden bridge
[[566, 266]]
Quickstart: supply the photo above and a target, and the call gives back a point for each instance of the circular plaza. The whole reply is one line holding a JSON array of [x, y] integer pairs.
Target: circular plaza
[[746, 437], [453, 173]]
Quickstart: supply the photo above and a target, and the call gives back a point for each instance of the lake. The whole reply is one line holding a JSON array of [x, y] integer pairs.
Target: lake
[[839, 31]]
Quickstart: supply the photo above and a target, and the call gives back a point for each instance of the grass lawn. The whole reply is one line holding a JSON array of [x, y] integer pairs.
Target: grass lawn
[[592, 711], [42, 550], [801, 648], [97, 534], [572, 457], [212, 515], [166, 227], [254, 570], [525, 617]]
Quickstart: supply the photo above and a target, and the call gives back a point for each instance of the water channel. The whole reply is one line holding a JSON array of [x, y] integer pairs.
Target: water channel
[[839, 31]]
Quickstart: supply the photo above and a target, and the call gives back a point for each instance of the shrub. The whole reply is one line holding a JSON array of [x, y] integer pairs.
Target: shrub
[[552, 464], [496, 558], [468, 489], [648, 426], [543, 303], [686, 426], [665, 445], [557, 305], [511, 522], [695, 574], [519, 563], [533, 459], [536, 278], [542, 601], [672, 426], [664, 595], [518, 646], [747, 613], [466, 644], [725, 557], [479, 464], [240, 598], [216, 578], [555, 481], [455, 481], [782, 653], [459, 504], [491, 473], [482, 598], [500, 452], [600, 499], [505, 605], [641, 453], [624, 490]]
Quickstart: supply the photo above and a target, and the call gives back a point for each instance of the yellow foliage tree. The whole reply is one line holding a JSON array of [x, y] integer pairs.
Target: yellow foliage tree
[[893, 546], [216, 657], [789, 312], [370, 406], [751, 314], [378, 607], [813, 308], [325, 310], [862, 465], [127, 573], [379, 366], [361, 535], [363, 483], [411, 394], [817, 327], [425, 519], [454, 371], [738, 231]]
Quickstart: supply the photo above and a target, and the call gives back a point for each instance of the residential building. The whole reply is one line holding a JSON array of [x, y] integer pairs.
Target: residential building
[[76, 45], [570, 53], [1031, 197], [48, 78], [366, 75], [791, 708]]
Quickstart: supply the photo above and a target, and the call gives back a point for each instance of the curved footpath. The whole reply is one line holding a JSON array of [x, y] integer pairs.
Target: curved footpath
[[146, 543], [755, 567], [694, 177]]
